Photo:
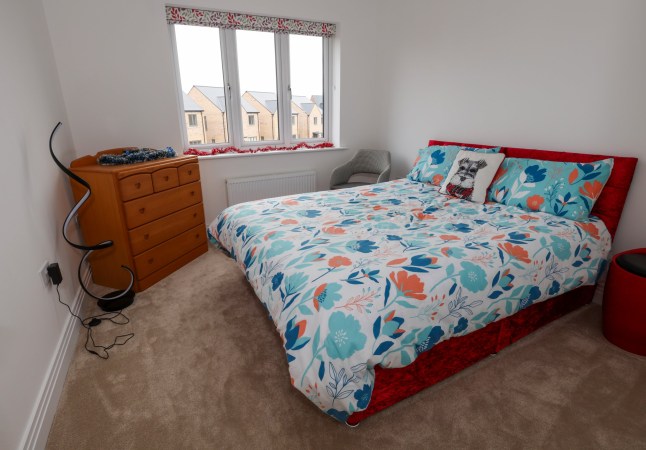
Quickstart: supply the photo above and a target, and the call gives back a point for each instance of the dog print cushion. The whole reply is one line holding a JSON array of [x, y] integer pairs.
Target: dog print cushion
[[433, 163], [564, 189], [471, 174]]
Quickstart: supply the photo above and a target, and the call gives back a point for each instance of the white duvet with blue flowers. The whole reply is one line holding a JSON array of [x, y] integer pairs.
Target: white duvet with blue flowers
[[377, 275]]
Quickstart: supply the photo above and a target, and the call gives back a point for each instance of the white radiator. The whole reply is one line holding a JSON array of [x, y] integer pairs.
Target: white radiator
[[266, 186]]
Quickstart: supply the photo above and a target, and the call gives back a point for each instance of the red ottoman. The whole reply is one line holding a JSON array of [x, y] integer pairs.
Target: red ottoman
[[624, 301]]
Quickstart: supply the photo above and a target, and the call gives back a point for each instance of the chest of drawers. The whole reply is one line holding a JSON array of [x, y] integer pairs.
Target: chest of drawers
[[152, 211]]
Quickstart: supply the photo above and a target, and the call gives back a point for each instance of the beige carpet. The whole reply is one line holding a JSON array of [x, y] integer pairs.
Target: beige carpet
[[206, 370]]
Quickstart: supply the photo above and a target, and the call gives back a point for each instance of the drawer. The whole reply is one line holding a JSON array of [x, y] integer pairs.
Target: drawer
[[154, 233], [188, 173], [163, 254], [164, 179], [135, 186], [146, 209]]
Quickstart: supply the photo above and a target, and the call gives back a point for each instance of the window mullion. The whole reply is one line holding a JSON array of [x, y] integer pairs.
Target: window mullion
[[232, 86], [284, 91], [327, 88]]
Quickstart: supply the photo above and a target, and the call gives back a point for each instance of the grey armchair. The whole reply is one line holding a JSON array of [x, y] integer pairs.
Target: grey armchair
[[366, 167]]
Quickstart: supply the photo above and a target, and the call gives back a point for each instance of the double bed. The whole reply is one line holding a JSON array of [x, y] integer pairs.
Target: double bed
[[383, 290]]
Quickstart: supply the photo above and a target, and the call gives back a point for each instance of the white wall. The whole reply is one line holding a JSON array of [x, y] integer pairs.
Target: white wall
[[554, 74], [35, 198], [119, 84]]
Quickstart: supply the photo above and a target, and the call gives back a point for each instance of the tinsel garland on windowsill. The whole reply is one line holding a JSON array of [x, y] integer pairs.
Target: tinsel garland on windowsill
[[269, 148]]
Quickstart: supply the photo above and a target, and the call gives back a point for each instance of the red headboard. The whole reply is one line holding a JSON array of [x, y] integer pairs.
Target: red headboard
[[610, 203]]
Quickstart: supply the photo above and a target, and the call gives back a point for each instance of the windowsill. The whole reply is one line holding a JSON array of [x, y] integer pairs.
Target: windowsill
[[271, 153]]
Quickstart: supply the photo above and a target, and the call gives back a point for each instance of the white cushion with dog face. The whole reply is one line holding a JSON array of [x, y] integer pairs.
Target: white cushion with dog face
[[471, 174]]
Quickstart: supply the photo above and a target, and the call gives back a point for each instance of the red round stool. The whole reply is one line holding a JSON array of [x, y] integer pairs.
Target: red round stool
[[624, 301]]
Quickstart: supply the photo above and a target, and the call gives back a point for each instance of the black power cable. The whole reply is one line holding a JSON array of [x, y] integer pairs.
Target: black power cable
[[90, 322]]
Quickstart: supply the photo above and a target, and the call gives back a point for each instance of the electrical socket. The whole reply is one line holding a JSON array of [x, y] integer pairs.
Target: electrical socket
[[44, 276]]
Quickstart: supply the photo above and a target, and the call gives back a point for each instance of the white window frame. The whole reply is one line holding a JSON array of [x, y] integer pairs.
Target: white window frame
[[284, 95]]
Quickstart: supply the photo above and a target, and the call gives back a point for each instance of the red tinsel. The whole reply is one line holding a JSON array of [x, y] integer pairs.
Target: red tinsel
[[269, 148]]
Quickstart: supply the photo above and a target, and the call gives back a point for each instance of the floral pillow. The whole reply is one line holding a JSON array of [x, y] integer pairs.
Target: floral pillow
[[561, 188], [434, 162]]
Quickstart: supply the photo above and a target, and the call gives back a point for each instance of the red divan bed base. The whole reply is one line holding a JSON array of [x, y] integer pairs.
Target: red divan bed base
[[451, 356]]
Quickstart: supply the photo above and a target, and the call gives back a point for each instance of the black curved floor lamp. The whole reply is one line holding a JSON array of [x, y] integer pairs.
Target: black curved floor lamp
[[113, 301]]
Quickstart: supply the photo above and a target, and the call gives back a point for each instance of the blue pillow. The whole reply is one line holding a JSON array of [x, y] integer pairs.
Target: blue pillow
[[563, 189], [434, 162]]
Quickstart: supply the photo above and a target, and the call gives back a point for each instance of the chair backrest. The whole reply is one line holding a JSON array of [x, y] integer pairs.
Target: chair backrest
[[371, 161]]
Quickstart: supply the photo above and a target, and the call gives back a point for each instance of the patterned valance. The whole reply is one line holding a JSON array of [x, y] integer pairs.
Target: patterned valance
[[221, 19]]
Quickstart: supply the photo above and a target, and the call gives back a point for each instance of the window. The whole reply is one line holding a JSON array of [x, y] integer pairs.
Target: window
[[192, 120], [231, 68]]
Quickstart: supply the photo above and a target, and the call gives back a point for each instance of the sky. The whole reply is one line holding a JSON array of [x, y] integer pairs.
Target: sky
[[200, 60]]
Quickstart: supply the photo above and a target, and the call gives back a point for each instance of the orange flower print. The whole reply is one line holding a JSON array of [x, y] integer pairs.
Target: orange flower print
[[290, 202], [394, 262], [421, 216], [591, 190], [449, 237], [573, 176], [333, 230], [528, 217], [534, 202], [437, 179], [589, 228], [499, 174], [289, 222], [515, 251], [409, 286], [338, 261]]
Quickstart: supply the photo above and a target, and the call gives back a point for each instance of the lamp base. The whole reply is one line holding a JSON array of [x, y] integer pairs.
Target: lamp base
[[109, 305]]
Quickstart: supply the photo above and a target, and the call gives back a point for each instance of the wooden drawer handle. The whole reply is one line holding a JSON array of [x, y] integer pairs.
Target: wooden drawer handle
[[190, 172], [146, 236], [166, 178], [194, 215], [138, 185], [192, 193], [197, 235], [150, 260], [142, 210]]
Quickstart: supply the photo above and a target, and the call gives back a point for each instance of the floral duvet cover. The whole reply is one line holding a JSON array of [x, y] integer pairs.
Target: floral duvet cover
[[377, 275]]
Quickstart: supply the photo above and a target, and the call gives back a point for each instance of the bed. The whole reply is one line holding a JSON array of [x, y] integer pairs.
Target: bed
[[381, 291]]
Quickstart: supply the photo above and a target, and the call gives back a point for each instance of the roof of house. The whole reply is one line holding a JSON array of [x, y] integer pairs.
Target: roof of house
[[268, 99], [190, 105], [304, 103], [318, 99], [215, 94]]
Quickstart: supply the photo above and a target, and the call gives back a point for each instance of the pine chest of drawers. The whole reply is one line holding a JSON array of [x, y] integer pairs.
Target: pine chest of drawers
[[152, 211]]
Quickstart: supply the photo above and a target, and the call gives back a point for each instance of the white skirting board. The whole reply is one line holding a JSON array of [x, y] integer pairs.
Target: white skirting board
[[266, 186], [35, 436]]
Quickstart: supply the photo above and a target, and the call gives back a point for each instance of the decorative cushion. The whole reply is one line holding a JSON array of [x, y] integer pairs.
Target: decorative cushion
[[471, 174], [433, 163], [564, 189]]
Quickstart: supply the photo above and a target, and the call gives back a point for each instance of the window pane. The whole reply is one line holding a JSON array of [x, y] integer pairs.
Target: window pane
[[200, 68], [257, 72], [306, 74]]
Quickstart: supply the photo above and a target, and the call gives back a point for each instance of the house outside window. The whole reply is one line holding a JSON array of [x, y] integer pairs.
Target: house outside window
[[246, 73]]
